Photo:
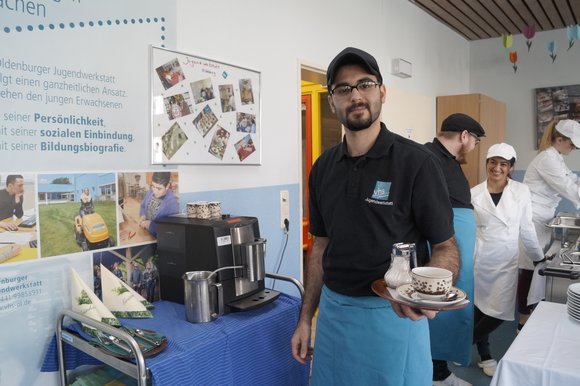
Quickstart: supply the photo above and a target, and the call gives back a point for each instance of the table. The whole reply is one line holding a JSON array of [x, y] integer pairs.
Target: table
[[545, 352], [22, 236], [242, 348]]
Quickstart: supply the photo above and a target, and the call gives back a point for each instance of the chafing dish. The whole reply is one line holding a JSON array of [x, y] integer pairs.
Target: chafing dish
[[564, 267]]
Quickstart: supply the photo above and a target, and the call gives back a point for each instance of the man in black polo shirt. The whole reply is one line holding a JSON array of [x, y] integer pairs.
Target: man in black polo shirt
[[374, 189], [452, 331]]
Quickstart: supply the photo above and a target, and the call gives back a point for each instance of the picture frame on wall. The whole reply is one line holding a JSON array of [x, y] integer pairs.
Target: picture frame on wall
[[560, 102], [203, 111]]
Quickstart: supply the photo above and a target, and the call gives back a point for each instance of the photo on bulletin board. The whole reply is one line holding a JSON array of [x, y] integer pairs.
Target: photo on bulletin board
[[203, 111], [561, 102]]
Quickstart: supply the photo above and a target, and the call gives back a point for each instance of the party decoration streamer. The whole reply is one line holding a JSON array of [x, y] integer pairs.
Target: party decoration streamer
[[514, 60], [529, 32], [507, 40], [552, 47], [573, 32]]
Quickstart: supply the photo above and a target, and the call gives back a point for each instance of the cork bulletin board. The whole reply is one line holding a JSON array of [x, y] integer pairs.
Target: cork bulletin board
[[203, 111]]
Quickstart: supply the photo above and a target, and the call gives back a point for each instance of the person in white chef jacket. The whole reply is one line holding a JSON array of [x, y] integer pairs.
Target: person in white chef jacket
[[549, 179], [503, 215]]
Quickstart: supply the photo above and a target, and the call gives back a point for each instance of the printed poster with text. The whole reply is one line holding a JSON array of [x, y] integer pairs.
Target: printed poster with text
[[74, 96], [74, 82]]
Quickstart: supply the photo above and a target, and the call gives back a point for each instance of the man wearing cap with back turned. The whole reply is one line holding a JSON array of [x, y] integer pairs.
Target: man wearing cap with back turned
[[451, 331], [374, 189]]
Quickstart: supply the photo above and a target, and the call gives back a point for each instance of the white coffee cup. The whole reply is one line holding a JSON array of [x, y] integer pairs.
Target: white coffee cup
[[215, 209], [191, 209], [431, 282], [202, 209]]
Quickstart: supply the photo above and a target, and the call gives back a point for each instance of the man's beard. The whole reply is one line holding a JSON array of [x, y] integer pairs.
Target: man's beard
[[361, 123], [462, 155]]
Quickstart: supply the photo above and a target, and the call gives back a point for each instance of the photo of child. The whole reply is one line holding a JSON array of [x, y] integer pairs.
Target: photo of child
[[246, 94], [177, 106], [245, 147], [227, 98], [246, 123], [170, 73], [202, 90]]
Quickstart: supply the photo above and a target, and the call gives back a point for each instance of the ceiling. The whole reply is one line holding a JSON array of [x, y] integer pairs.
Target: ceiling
[[483, 19]]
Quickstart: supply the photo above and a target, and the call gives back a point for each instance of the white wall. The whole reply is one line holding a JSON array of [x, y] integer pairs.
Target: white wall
[[492, 74], [274, 37]]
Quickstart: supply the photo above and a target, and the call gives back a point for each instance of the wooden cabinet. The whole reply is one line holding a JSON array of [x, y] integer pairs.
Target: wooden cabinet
[[490, 113]]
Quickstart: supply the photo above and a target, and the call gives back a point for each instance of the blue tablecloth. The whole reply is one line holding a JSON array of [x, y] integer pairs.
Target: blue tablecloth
[[242, 348]]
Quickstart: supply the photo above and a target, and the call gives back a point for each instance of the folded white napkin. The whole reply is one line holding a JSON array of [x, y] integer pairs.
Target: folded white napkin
[[121, 299], [85, 302], [537, 290]]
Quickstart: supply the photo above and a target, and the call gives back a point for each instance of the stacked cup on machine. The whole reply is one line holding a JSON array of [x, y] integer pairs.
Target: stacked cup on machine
[[204, 209]]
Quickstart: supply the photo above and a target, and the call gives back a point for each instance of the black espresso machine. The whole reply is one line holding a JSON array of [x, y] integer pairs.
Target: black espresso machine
[[191, 244]]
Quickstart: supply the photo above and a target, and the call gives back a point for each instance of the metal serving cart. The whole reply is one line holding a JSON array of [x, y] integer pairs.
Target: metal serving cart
[[137, 368]]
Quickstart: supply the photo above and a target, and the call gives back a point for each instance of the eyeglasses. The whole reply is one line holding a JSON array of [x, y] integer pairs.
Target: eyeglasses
[[345, 90], [477, 139]]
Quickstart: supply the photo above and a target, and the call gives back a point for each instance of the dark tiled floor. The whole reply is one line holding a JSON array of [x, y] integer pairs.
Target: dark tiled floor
[[500, 340]]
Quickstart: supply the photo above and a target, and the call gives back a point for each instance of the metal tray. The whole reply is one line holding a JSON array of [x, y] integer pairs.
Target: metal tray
[[565, 220]]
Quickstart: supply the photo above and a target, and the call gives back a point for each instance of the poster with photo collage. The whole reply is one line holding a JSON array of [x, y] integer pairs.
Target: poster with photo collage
[[52, 214], [203, 111]]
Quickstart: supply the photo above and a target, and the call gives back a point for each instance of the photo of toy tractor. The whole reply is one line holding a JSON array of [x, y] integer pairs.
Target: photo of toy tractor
[[91, 232]]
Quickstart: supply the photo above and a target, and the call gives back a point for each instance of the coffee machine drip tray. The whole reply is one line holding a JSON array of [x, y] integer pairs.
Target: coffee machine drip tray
[[254, 301]]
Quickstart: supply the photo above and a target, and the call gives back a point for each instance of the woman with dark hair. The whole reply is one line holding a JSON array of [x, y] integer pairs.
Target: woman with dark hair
[[549, 179], [158, 202], [503, 215]]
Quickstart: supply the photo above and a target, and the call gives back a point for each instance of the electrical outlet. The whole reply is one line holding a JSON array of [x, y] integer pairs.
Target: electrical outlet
[[284, 207]]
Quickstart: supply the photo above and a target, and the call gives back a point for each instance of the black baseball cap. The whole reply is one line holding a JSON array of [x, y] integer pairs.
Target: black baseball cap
[[459, 122], [351, 55]]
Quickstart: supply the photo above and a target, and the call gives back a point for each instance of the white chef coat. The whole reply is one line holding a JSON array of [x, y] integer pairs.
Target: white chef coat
[[549, 179], [496, 248]]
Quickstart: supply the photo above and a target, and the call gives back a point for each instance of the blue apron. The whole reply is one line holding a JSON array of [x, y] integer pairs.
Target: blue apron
[[361, 341], [452, 331]]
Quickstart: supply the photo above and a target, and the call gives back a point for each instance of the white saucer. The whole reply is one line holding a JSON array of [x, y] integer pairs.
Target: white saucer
[[572, 308], [573, 302], [571, 294], [407, 292], [575, 307], [573, 315], [574, 289]]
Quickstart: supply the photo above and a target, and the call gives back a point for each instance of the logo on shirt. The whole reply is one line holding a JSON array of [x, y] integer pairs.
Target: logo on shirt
[[382, 190]]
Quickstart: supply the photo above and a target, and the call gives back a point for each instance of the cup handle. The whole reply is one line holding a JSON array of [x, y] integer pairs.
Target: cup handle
[[220, 298]]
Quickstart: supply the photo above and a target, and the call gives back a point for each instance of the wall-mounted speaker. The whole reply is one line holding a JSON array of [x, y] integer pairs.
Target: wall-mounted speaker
[[402, 68]]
